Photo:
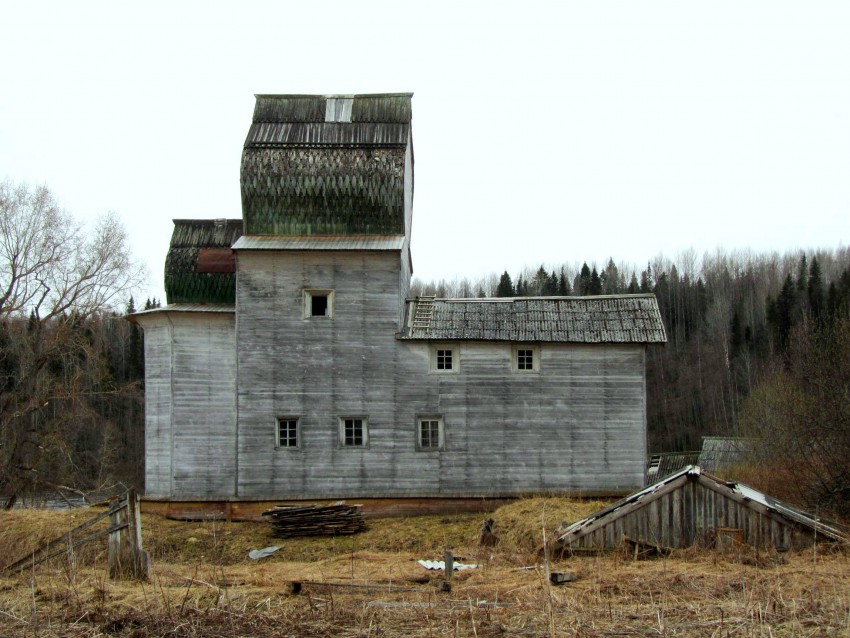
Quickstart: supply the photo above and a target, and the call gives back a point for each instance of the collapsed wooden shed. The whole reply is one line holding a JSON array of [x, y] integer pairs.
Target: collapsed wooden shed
[[692, 507]]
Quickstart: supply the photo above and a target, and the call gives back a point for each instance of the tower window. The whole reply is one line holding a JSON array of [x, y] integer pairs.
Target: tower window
[[318, 303]]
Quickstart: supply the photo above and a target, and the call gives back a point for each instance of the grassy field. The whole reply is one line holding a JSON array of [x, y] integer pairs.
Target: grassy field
[[203, 584]]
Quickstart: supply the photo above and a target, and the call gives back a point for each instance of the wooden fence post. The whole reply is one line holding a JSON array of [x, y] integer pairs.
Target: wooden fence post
[[127, 560]]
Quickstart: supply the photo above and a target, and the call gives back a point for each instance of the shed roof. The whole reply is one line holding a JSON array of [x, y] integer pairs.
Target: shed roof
[[598, 319], [326, 165], [184, 283]]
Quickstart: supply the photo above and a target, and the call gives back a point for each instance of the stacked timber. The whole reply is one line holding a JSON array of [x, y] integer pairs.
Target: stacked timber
[[337, 519]]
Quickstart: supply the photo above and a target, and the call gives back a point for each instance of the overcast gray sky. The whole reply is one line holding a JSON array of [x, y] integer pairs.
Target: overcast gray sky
[[543, 132]]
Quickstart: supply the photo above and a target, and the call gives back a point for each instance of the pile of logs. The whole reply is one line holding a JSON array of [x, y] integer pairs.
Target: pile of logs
[[315, 520]]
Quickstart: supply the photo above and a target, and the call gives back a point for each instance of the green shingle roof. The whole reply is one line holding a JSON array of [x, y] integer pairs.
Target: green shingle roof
[[183, 283], [326, 165]]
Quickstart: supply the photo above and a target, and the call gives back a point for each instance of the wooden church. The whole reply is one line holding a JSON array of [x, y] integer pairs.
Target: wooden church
[[290, 362]]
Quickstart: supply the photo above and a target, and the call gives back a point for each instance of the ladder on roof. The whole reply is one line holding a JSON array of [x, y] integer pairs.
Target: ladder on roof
[[424, 312]]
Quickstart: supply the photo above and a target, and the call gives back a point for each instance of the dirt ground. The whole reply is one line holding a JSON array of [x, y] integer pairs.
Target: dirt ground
[[370, 584]]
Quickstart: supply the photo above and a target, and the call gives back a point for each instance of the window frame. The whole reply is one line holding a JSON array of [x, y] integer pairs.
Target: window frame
[[277, 440], [434, 357], [441, 433], [309, 293], [535, 360], [364, 434]]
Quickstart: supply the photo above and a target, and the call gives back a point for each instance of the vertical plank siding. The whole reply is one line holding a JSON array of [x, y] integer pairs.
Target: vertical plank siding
[[190, 405], [692, 514], [158, 430]]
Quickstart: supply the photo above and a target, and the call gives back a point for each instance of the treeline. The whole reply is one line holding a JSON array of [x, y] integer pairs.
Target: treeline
[[80, 423], [758, 346]]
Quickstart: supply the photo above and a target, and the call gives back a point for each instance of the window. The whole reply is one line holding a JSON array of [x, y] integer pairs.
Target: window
[[430, 435], [526, 358], [288, 433], [318, 303], [444, 359], [353, 431]]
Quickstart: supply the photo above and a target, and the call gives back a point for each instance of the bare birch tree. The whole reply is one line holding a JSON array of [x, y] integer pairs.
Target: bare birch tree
[[54, 276]]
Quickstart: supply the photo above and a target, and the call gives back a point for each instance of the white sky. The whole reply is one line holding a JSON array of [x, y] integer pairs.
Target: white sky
[[543, 132]]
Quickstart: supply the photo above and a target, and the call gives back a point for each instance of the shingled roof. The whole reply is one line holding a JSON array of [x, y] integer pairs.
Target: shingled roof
[[200, 267], [598, 319], [326, 165]]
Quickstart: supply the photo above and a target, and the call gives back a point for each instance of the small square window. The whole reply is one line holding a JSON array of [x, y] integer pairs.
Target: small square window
[[288, 433], [318, 304], [444, 359], [430, 434], [353, 432], [526, 358]]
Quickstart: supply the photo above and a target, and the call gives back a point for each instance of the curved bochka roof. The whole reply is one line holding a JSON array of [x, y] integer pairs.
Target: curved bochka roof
[[326, 165]]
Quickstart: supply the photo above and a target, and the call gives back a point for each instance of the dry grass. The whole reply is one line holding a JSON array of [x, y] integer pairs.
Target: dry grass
[[204, 585]]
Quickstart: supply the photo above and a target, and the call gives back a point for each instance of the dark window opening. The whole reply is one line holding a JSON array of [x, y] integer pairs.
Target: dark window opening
[[444, 359], [318, 305], [525, 359]]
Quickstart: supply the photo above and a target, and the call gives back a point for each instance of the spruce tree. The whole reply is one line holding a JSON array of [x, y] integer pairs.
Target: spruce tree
[[564, 284], [506, 286], [595, 287], [815, 291], [584, 280]]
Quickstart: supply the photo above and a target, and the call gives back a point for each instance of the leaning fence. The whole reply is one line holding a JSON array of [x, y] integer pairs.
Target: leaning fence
[[126, 558]]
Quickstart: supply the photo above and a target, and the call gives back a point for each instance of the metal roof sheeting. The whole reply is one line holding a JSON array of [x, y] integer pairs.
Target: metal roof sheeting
[[608, 319], [319, 242], [218, 308]]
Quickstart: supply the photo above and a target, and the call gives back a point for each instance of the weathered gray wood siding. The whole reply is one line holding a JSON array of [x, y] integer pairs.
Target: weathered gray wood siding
[[578, 424], [316, 369], [157, 405], [190, 403], [692, 514]]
